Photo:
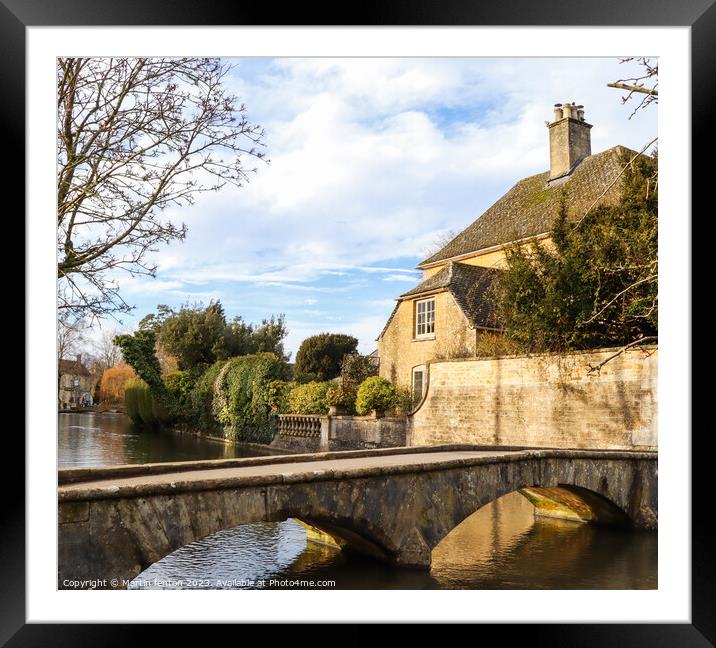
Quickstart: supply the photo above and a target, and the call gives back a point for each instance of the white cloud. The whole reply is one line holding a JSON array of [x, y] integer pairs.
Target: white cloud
[[402, 277], [369, 159]]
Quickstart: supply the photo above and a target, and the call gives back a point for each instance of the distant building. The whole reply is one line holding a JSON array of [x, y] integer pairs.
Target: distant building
[[76, 384]]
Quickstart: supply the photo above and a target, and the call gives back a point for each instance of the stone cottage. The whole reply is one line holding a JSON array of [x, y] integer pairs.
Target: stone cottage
[[447, 312], [76, 384]]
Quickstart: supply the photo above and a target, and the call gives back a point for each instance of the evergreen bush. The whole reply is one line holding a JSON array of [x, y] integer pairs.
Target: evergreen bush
[[309, 398], [242, 395], [375, 393]]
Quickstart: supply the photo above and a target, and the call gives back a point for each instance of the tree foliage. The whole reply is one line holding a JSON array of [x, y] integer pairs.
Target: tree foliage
[[242, 338], [137, 136], [243, 394], [111, 387], [138, 402], [597, 285], [320, 356], [198, 335], [195, 335], [200, 402], [138, 351]]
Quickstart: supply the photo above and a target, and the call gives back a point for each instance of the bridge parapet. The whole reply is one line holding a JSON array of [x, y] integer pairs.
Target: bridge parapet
[[394, 504]]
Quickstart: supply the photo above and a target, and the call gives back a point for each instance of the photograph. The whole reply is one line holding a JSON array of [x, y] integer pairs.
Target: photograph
[[357, 323], [385, 322]]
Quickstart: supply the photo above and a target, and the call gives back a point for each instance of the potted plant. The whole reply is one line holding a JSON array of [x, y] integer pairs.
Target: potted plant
[[375, 396]]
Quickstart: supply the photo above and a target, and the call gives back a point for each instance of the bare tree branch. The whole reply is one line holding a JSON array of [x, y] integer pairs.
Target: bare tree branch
[[638, 84], [135, 137], [594, 370]]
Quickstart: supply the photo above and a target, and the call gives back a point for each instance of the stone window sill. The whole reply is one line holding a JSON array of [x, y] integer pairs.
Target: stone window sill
[[422, 338]]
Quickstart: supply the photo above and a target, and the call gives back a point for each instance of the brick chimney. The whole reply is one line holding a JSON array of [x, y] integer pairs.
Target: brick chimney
[[569, 140], [79, 358]]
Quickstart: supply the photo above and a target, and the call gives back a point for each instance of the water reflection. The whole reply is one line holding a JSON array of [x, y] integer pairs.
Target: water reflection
[[502, 546], [106, 439]]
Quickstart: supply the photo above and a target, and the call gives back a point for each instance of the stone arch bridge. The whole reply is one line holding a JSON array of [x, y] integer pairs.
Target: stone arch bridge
[[395, 504]]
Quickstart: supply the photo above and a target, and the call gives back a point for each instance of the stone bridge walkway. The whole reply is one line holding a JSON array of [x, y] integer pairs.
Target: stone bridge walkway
[[115, 481]]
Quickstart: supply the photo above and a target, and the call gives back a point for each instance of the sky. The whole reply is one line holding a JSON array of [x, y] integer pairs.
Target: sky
[[371, 161]]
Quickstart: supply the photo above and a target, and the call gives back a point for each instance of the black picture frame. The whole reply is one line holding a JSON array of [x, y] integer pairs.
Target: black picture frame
[[700, 15]]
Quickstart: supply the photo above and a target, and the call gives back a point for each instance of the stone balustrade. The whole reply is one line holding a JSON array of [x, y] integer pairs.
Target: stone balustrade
[[299, 425]]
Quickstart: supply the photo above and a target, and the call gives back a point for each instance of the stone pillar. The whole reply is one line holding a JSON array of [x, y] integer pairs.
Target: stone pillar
[[325, 433]]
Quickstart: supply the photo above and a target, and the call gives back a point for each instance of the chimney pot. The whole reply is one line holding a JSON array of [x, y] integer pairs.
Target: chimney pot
[[569, 139]]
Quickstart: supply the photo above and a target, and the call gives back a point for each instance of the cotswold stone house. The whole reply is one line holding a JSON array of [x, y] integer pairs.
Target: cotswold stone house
[[75, 383], [445, 314]]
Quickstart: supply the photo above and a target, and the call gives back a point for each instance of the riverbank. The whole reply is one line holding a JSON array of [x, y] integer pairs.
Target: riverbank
[[268, 449]]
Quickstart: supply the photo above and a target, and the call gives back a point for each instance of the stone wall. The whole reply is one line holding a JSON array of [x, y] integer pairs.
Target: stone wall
[[542, 401], [365, 432]]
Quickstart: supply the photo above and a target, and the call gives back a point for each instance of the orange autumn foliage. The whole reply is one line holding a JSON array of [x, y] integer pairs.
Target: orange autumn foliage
[[111, 387]]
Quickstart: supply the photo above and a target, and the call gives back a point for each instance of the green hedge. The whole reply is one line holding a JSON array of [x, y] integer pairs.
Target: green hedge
[[309, 398], [199, 410], [141, 407], [131, 398], [242, 396]]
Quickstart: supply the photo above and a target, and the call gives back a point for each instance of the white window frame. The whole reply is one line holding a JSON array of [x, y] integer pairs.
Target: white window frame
[[428, 324]]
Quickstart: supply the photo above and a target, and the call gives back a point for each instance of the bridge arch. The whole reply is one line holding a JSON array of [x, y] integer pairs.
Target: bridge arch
[[398, 513], [622, 495]]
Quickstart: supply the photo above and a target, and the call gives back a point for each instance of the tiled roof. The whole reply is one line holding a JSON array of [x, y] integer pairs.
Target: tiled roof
[[530, 207], [73, 368], [468, 284]]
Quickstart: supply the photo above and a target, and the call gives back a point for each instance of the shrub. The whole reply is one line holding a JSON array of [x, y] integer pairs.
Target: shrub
[[180, 384], [337, 395], [375, 393], [309, 398], [404, 400], [199, 403], [138, 402], [242, 397], [277, 394], [355, 368], [319, 357]]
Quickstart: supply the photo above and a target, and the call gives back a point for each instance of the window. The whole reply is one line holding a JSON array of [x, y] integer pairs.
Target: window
[[418, 382], [425, 318]]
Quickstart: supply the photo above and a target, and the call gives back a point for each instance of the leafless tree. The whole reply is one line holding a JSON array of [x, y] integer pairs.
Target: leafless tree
[[440, 241], [137, 136], [106, 352], [70, 334], [645, 83]]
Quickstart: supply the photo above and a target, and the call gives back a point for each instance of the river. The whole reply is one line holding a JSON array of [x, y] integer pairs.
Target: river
[[501, 546]]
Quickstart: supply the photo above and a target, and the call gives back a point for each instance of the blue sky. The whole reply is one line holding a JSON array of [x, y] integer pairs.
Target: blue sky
[[371, 161]]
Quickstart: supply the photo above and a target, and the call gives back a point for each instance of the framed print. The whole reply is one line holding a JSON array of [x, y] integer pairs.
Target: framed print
[[406, 340]]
